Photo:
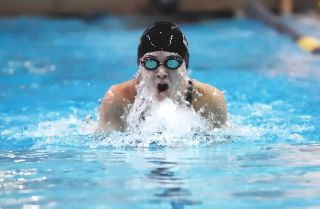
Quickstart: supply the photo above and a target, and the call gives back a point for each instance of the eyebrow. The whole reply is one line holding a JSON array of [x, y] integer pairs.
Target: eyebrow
[[151, 56], [165, 58]]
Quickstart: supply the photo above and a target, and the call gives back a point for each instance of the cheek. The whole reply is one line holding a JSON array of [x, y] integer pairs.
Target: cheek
[[175, 80], [178, 75], [145, 74], [175, 76], [148, 77]]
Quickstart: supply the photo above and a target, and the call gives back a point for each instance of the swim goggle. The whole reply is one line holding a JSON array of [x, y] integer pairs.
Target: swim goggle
[[152, 63]]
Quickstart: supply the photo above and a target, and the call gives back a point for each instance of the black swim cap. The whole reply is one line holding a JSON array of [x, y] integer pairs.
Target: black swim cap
[[164, 36]]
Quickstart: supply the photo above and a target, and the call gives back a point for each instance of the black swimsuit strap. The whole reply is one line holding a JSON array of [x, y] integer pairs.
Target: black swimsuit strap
[[188, 95]]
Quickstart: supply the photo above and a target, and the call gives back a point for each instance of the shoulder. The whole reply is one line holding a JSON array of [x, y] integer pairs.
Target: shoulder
[[121, 92], [206, 92], [114, 104], [210, 102]]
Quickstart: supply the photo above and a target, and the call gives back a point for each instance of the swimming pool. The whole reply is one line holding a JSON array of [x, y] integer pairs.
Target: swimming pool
[[54, 72]]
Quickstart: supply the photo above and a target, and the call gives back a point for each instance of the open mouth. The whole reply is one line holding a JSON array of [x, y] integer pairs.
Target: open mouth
[[163, 87]]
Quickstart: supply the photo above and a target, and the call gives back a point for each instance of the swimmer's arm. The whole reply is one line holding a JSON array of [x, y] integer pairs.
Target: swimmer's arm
[[111, 111], [115, 104], [211, 105], [217, 110]]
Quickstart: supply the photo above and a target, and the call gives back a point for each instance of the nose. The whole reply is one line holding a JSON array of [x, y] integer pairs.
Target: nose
[[162, 73]]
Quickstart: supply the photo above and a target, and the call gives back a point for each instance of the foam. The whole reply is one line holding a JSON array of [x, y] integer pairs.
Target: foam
[[70, 131], [170, 124], [31, 67], [166, 124]]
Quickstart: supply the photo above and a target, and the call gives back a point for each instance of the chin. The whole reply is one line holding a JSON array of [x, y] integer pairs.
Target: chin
[[162, 95]]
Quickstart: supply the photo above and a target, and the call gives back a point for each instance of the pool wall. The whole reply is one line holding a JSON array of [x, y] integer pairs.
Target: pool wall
[[84, 7]]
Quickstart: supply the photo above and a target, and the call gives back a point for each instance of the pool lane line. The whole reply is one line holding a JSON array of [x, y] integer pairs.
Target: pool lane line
[[259, 12]]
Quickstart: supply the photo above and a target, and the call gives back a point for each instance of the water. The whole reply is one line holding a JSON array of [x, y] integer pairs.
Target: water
[[53, 73]]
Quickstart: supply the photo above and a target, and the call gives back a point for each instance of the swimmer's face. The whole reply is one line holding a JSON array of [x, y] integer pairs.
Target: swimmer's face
[[166, 79]]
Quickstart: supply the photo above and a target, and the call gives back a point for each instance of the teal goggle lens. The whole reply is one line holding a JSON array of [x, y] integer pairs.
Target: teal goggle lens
[[151, 64], [171, 63]]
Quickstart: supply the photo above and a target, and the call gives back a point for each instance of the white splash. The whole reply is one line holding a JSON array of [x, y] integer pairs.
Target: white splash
[[31, 67], [172, 118], [167, 124]]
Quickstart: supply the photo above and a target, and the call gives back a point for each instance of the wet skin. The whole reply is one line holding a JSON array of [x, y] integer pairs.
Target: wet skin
[[161, 83]]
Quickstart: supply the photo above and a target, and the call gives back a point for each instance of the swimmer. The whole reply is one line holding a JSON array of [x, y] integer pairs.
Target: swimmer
[[163, 60]]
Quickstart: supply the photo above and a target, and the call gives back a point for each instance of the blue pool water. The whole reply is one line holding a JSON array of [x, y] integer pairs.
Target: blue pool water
[[53, 73]]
